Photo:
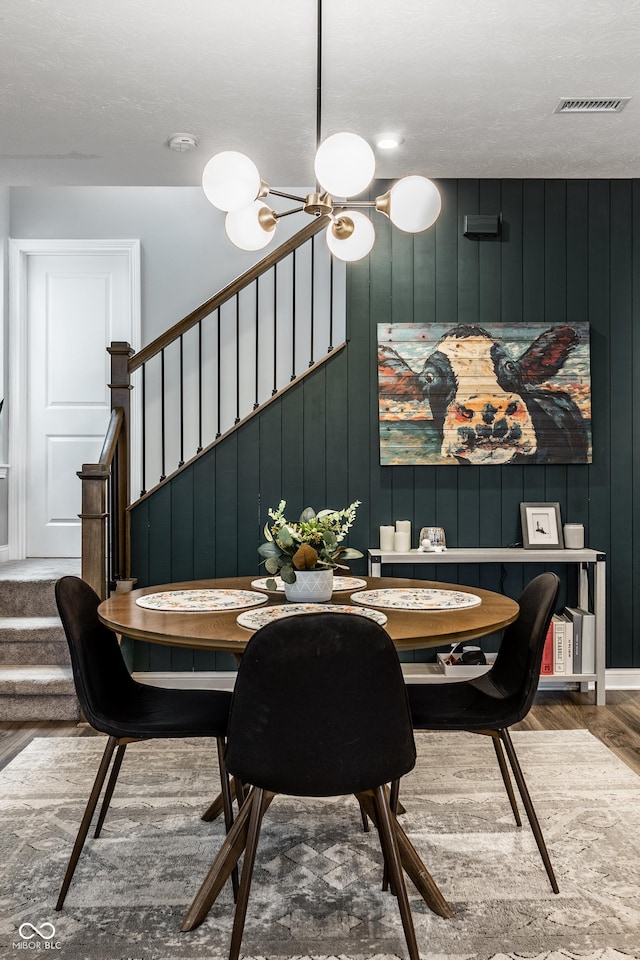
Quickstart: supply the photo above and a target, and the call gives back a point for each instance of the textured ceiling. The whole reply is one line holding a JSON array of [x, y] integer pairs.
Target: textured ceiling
[[90, 91]]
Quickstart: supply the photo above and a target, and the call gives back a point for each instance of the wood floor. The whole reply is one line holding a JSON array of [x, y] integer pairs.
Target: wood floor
[[617, 724]]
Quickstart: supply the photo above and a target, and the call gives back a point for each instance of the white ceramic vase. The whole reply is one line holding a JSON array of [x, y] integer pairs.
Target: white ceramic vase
[[311, 586]]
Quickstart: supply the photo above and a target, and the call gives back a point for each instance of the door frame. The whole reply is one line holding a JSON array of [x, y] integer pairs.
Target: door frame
[[19, 252]]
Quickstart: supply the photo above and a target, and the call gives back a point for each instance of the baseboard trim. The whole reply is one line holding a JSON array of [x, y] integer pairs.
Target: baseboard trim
[[622, 679], [191, 680], [616, 678]]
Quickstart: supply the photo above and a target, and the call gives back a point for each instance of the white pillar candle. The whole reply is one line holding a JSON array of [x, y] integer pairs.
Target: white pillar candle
[[402, 542], [386, 539], [403, 526]]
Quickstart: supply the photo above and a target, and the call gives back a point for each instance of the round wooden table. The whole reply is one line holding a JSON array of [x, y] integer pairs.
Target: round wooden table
[[409, 630]]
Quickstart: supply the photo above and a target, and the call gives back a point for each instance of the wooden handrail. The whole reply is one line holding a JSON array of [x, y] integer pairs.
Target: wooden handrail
[[178, 329], [111, 438]]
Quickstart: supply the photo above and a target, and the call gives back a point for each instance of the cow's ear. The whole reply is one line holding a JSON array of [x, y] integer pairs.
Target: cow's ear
[[396, 379], [547, 354]]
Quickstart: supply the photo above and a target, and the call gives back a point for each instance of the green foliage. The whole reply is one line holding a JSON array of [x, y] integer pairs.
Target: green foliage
[[321, 533]]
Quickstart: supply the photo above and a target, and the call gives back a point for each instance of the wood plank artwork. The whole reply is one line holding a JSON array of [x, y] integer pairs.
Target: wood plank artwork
[[491, 395]]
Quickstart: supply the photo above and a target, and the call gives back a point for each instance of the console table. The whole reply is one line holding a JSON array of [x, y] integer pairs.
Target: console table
[[585, 560]]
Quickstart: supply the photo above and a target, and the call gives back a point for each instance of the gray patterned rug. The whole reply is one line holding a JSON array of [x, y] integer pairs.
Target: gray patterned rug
[[316, 889]]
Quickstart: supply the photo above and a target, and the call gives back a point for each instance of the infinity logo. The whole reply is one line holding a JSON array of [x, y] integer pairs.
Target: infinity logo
[[42, 931]]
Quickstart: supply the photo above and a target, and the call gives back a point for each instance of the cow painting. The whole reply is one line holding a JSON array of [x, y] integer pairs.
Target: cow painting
[[467, 394]]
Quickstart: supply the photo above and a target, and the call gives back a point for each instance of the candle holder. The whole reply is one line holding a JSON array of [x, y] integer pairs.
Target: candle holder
[[432, 540]]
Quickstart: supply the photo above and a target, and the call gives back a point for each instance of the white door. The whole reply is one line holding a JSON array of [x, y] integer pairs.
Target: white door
[[74, 302]]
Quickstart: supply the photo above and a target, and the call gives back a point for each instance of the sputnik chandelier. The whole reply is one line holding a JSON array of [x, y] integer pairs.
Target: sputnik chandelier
[[344, 167]]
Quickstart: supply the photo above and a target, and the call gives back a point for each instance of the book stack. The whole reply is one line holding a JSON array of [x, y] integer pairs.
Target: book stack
[[570, 644]]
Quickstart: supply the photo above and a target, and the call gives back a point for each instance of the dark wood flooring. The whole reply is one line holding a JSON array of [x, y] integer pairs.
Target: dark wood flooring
[[617, 724]]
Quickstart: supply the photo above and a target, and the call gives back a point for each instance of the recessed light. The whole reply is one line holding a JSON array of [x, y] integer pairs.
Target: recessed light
[[389, 141]]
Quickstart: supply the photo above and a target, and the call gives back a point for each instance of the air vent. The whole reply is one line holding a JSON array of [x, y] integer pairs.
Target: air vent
[[591, 104]]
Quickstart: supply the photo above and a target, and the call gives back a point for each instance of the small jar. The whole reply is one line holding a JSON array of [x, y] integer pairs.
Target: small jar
[[573, 536]]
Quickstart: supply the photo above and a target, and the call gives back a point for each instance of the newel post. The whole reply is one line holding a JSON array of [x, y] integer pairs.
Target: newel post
[[120, 386], [94, 477]]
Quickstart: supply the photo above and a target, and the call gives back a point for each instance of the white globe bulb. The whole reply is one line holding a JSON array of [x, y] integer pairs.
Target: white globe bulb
[[230, 180], [358, 244], [415, 204], [251, 228], [344, 164]]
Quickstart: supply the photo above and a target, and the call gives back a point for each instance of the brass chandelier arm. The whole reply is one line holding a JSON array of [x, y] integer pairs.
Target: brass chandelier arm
[[285, 213], [351, 204], [287, 196]]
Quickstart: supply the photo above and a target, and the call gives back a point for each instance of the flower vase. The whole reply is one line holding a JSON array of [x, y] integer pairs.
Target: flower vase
[[311, 586]]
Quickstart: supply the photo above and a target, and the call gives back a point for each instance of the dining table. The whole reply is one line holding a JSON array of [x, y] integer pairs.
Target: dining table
[[209, 629], [196, 614]]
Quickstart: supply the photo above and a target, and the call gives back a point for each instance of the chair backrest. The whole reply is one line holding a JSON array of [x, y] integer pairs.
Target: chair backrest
[[320, 708], [99, 671], [516, 671]]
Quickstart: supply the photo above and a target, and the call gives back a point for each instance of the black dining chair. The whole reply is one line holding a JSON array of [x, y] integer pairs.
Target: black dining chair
[[320, 709], [492, 702], [127, 711]]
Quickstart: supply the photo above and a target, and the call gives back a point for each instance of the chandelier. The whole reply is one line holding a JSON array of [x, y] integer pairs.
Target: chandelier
[[344, 167]]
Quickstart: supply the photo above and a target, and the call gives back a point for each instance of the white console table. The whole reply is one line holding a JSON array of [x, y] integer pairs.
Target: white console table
[[584, 560]]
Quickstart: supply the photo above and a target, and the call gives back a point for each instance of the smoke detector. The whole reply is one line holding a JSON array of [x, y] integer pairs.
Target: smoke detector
[[591, 104], [182, 142]]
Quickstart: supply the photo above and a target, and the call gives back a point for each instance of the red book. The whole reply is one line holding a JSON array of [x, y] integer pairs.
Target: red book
[[546, 667]]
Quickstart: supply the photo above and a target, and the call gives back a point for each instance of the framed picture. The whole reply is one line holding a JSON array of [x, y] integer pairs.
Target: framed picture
[[541, 526], [455, 394]]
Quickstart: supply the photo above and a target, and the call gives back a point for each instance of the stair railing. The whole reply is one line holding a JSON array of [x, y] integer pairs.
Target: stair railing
[[199, 383]]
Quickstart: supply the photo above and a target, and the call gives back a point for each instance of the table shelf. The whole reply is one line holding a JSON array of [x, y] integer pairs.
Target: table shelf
[[586, 561]]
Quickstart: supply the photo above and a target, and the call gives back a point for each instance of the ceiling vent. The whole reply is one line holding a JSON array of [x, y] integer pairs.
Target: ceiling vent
[[591, 104]]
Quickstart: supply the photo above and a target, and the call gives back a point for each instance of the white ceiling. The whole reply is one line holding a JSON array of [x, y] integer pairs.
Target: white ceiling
[[91, 90]]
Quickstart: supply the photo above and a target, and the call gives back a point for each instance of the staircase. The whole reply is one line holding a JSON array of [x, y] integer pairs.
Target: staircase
[[36, 682]]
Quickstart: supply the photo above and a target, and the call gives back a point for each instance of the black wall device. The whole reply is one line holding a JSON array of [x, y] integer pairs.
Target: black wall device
[[481, 226]]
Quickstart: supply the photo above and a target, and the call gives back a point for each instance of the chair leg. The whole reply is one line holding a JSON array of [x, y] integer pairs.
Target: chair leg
[[240, 791], [528, 806], [389, 844], [111, 784], [253, 834], [393, 803], [506, 779], [365, 819], [227, 805], [112, 742]]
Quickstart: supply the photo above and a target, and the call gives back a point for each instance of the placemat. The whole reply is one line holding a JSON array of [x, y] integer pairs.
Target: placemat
[[254, 619], [417, 599], [340, 584], [199, 601]]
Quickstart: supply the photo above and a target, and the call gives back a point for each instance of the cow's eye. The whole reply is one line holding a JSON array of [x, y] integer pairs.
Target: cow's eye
[[429, 377], [510, 366]]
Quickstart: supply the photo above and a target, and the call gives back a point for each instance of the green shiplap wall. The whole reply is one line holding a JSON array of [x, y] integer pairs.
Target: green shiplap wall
[[569, 251]]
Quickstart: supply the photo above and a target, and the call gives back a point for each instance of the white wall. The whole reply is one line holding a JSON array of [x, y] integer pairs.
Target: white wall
[[186, 256]]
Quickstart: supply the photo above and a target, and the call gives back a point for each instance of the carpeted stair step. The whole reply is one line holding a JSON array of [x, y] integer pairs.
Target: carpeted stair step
[[37, 692], [35, 674], [33, 640], [28, 598]]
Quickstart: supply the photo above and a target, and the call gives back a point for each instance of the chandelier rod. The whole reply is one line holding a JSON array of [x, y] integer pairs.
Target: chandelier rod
[[319, 84], [319, 78]]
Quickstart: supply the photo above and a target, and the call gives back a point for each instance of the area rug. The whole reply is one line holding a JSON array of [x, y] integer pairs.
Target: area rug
[[316, 890]]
